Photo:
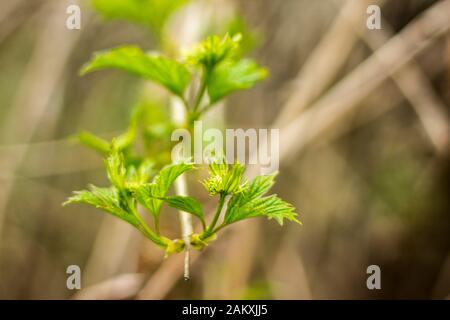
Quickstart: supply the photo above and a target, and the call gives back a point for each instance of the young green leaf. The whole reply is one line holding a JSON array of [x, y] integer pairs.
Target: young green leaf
[[151, 13], [107, 199], [187, 204], [218, 168], [167, 72], [141, 175], [148, 194], [232, 76], [214, 50], [116, 169], [223, 180], [125, 140], [259, 186], [271, 207], [166, 177], [112, 200], [96, 143], [250, 203]]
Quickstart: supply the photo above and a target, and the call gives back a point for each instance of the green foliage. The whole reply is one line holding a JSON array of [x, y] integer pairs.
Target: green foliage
[[140, 175], [130, 186], [233, 76], [150, 194], [259, 186], [119, 200], [107, 199], [167, 72], [214, 50], [222, 180], [224, 71], [217, 62], [187, 204], [250, 38], [271, 207], [96, 143], [250, 203], [125, 140], [115, 169], [150, 13]]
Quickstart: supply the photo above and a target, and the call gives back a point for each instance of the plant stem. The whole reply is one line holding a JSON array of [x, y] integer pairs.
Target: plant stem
[[179, 118], [157, 225], [206, 108], [185, 104], [201, 91], [147, 231], [186, 224], [216, 214], [219, 228]]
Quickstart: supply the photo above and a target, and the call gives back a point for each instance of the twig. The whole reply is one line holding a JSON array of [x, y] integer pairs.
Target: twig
[[121, 287], [284, 285], [322, 67], [27, 110], [186, 225], [163, 279], [346, 95], [179, 117], [111, 248], [10, 21], [417, 89]]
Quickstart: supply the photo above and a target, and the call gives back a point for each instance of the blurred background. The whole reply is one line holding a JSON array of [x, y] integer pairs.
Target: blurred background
[[364, 152]]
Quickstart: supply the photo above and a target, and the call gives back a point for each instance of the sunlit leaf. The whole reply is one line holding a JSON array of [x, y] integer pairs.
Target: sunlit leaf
[[224, 180], [249, 203], [107, 199], [138, 176], [187, 204], [149, 194], [167, 72], [271, 207], [150, 13], [229, 77], [259, 186], [214, 50], [94, 142], [115, 168]]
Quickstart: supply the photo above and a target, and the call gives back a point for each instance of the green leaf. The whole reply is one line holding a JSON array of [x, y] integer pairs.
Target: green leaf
[[223, 180], [259, 186], [166, 177], [271, 207], [144, 195], [126, 140], [187, 204], [167, 72], [251, 38], [107, 199], [231, 76], [116, 169], [149, 194], [94, 142], [232, 181], [141, 175], [117, 203], [150, 13], [249, 203], [214, 50]]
